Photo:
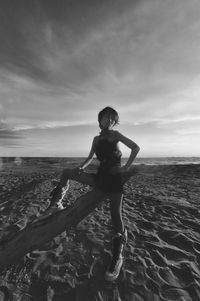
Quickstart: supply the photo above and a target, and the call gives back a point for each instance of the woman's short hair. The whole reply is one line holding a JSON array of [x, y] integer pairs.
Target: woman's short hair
[[109, 112]]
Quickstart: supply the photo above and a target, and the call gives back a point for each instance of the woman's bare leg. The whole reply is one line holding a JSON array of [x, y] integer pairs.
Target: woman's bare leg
[[119, 238], [116, 211], [73, 174]]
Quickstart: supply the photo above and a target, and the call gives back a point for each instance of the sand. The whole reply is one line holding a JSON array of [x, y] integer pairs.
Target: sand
[[161, 259]]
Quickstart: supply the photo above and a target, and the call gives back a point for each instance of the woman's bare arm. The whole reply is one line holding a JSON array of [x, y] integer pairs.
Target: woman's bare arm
[[90, 156], [130, 144]]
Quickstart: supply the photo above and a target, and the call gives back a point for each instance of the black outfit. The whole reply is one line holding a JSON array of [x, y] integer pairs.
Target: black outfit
[[109, 155]]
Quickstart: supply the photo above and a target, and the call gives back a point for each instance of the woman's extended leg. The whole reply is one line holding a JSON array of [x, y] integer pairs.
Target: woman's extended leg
[[73, 174], [63, 185]]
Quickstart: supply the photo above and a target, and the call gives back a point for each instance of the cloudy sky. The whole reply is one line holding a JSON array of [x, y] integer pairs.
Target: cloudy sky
[[63, 61]]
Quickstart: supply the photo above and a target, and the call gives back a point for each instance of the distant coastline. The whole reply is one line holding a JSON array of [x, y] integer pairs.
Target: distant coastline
[[73, 161]]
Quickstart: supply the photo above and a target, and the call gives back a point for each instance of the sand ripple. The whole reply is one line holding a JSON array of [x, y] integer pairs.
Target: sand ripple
[[161, 259]]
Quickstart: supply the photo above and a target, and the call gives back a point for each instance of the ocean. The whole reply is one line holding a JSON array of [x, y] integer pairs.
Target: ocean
[[13, 162], [167, 160]]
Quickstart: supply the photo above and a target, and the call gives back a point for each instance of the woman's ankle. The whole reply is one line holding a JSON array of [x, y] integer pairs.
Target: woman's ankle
[[119, 230], [123, 234]]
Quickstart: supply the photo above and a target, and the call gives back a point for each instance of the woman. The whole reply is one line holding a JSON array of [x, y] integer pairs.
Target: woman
[[109, 178]]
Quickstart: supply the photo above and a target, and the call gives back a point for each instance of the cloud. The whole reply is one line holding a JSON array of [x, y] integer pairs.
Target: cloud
[[5, 132], [56, 43], [191, 131], [9, 139], [61, 63], [132, 48], [51, 125]]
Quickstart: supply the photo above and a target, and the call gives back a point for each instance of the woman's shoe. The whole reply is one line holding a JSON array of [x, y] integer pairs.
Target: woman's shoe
[[113, 270], [57, 196]]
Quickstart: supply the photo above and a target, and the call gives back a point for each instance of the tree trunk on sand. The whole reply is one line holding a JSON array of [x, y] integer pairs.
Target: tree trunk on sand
[[42, 231]]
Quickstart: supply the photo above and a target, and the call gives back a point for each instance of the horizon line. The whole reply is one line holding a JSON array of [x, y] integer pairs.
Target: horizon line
[[145, 157]]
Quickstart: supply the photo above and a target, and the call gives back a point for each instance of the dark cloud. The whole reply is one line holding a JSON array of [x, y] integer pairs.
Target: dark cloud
[[8, 134], [14, 53], [22, 30], [81, 16], [10, 140]]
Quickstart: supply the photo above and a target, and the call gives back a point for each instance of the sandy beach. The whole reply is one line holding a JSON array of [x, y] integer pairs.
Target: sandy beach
[[162, 256]]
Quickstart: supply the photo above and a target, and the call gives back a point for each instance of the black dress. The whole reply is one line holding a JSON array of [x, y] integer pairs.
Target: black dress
[[109, 155]]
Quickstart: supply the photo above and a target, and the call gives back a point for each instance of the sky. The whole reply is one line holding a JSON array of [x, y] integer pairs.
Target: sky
[[63, 61]]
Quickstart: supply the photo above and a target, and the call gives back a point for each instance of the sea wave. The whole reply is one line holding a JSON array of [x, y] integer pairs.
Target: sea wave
[[167, 161]]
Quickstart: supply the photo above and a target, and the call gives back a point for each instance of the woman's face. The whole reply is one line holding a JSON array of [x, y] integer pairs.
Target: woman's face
[[106, 122]]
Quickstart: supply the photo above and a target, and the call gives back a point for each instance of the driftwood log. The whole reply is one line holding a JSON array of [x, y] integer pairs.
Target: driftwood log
[[43, 230]]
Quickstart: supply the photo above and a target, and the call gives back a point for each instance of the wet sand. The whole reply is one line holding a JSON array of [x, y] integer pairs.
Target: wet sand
[[161, 259]]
